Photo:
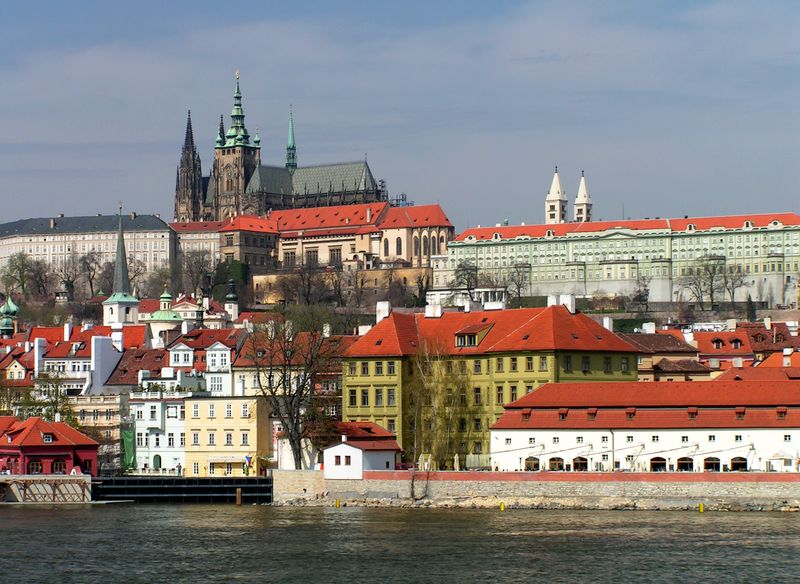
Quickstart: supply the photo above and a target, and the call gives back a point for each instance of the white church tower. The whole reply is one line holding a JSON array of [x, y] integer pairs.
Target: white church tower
[[583, 203], [555, 206]]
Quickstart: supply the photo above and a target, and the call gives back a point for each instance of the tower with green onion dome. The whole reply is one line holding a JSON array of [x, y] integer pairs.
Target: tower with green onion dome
[[8, 318]]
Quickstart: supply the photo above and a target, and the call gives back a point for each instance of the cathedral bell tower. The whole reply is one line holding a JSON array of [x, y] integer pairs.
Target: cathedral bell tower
[[189, 179], [236, 158]]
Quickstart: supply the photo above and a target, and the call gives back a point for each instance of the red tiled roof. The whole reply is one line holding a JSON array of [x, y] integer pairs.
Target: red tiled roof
[[374, 444], [415, 216], [776, 338], [521, 329], [197, 226], [133, 336], [340, 218], [50, 333], [251, 223], [760, 373], [302, 344], [204, 338], [134, 360], [656, 343], [259, 317], [705, 343], [672, 225], [362, 430], [680, 366], [31, 432], [776, 360]]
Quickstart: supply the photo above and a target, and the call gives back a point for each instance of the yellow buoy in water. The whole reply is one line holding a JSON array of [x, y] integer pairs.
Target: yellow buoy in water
[[502, 506], [338, 503], [700, 508]]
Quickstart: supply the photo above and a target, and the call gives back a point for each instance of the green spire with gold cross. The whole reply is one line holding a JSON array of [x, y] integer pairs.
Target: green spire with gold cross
[[291, 150], [237, 134]]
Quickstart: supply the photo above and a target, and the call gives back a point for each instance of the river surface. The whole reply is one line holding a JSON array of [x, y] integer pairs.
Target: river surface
[[194, 543]]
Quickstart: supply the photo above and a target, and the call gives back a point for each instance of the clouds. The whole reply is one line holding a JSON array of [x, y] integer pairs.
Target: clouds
[[671, 112]]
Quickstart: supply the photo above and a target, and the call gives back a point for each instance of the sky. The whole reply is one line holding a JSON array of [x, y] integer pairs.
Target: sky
[[671, 108]]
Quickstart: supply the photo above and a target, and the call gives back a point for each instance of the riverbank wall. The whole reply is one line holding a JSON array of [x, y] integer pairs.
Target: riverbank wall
[[564, 490], [49, 489]]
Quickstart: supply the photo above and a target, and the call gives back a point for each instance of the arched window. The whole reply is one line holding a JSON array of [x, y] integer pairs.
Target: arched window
[[531, 463], [157, 461], [738, 464], [658, 464], [711, 464], [556, 464], [580, 463], [386, 247], [416, 246], [685, 464], [425, 249], [398, 243]]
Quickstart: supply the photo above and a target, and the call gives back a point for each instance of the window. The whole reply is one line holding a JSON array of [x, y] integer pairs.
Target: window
[[579, 439], [364, 368], [378, 397], [531, 441], [604, 439], [476, 424], [555, 440], [477, 448], [508, 441], [195, 410], [157, 439], [684, 439], [629, 438], [712, 438], [245, 439], [139, 439], [528, 363], [586, 363], [153, 411], [195, 438], [513, 363], [498, 364], [196, 468], [171, 440], [390, 425], [737, 438], [183, 439], [500, 398], [513, 393], [605, 457], [352, 398], [228, 410], [390, 397], [245, 410], [228, 439], [364, 398], [542, 363], [623, 364], [347, 460], [654, 438], [476, 366], [210, 410], [215, 383], [335, 256], [390, 367], [567, 361], [139, 414], [477, 395], [211, 439], [606, 364], [787, 437], [351, 368], [337, 460], [379, 368]]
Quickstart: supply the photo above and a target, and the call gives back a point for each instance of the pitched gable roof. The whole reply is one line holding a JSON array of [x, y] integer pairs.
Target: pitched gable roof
[[657, 343], [31, 433], [415, 216]]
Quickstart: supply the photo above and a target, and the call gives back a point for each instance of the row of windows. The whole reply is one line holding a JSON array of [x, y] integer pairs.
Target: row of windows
[[630, 439], [211, 438], [212, 410], [212, 468], [378, 368], [378, 397], [143, 439]]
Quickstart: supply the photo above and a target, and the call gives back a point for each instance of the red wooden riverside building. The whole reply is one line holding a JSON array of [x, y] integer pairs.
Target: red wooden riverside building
[[37, 446]]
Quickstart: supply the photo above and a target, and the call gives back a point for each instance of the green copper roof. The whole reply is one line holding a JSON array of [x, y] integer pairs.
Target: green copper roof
[[165, 295], [291, 151], [237, 134], [9, 308], [121, 293], [166, 315], [121, 298]]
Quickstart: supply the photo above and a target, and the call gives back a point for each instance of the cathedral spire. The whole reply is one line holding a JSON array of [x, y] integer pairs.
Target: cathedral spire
[[220, 141], [188, 141], [583, 202], [291, 150], [237, 134], [556, 202], [122, 285]]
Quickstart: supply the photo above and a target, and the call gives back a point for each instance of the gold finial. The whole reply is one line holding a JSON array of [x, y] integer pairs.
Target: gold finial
[[237, 74]]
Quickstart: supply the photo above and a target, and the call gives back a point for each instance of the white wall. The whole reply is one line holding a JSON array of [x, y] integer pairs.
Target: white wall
[[343, 470], [633, 449]]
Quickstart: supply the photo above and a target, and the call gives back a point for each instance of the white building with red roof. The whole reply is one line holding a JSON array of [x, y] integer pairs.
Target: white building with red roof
[[363, 446], [731, 425], [613, 257]]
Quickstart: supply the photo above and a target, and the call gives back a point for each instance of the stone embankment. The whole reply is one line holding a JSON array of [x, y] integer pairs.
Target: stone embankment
[[617, 491]]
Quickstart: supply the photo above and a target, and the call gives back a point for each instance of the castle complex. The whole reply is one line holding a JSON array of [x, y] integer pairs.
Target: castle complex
[[239, 184]]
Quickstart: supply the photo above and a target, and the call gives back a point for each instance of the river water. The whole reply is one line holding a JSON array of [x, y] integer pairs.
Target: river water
[[194, 543]]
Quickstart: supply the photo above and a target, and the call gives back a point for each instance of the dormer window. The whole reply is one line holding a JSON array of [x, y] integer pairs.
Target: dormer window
[[550, 233], [47, 438], [630, 413], [496, 236], [736, 344], [691, 227], [469, 340], [718, 343], [748, 224]]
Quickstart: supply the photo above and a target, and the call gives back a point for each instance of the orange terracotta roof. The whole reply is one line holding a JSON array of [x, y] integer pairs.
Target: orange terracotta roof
[[522, 329], [362, 430], [727, 340], [335, 217], [50, 333], [134, 360], [669, 225], [415, 216], [760, 373], [31, 433], [251, 223], [204, 338], [776, 360], [197, 226]]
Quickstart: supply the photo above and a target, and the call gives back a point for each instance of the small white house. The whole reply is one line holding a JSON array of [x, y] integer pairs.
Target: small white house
[[349, 458]]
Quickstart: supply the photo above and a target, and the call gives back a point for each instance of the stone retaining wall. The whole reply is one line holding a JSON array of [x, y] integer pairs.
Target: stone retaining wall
[[577, 490], [288, 484]]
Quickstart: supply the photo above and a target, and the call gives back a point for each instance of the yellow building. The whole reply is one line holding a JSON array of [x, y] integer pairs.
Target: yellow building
[[226, 436]]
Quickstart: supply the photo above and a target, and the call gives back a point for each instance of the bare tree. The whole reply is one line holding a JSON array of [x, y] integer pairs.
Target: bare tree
[[466, 276], [67, 272], [518, 281], [40, 278], [105, 278], [307, 285], [91, 266], [356, 283], [641, 290], [290, 358], [732, 280], [704, 279], [196, 266], [155, 282], [136, 269], [16, 271]]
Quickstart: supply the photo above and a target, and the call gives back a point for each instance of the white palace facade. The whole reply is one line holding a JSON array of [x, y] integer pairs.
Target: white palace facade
[[614, 258]]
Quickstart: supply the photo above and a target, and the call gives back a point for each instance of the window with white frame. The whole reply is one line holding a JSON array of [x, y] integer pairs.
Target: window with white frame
[[215, 383], [245, 439], [245, 410], [195, 438], [228, 410], [211, 410]]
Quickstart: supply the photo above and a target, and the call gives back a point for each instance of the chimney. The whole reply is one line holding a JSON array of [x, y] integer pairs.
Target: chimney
[[433, 311], [52, 223], [608, 323], [133, 216], [768, 323], [39, 349], [326, 330], [61, 215], [67, 330], [117, 337], [649, 328], [27, 346], [344, 438], [552, 300], [787, 356], [382, 310], [369, 214], [567, 300]]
